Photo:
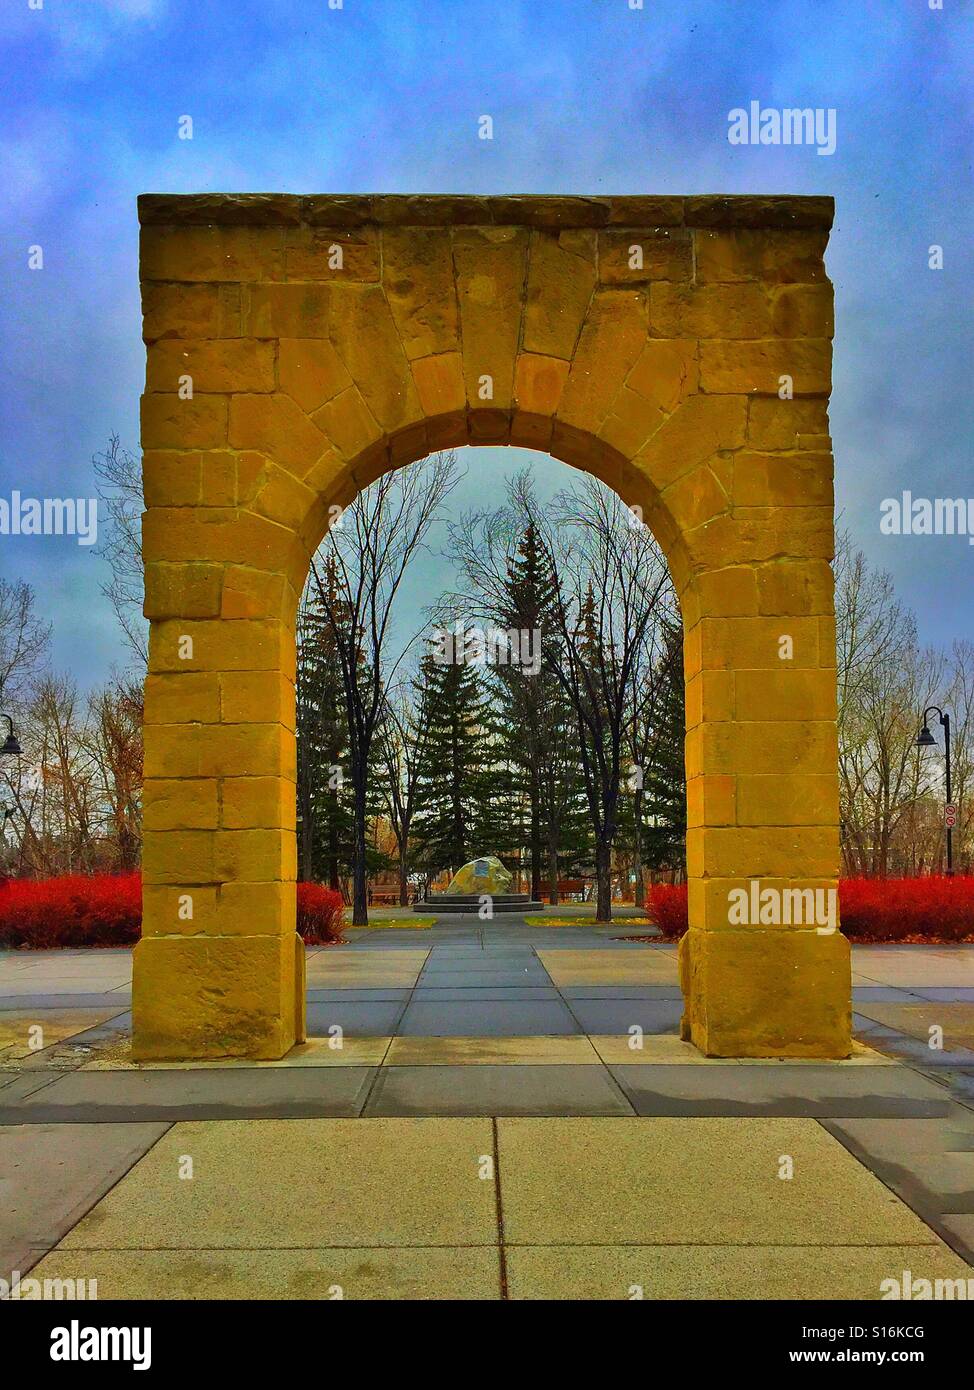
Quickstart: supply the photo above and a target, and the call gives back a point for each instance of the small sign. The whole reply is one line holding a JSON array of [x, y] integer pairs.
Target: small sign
[[950, 815]]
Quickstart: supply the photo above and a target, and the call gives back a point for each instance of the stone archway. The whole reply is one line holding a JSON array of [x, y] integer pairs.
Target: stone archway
[[298, 347]]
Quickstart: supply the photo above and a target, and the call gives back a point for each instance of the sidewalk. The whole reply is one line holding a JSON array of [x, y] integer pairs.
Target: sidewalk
[[489, 1127]]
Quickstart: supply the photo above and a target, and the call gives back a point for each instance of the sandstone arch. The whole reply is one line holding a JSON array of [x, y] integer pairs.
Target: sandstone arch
[[650, 341]]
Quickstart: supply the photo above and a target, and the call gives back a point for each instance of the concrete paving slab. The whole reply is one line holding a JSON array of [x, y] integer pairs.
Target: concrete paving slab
[[960, 1080], [496, 1018], [50, 1175], [440, 960], [954, 1133], [956, 1020], [958, 1229], [375, 969], [653, 993], [543, 1051], [915, 966], [496, 1090], [618, 1016], [26, 1032], [316, 1052], [484, 979], [714, 1272], [906, 1048], [485, 994], [860, 1055], [182, 1093], [653, 1049], [42, 1003], [950, 994], [575, 1181], [418, 1274], [351, 1183], [645, 965], [15, 1085], [358, 996], [884, 994], [929, 1163], [781, 1088], [367, 1020]]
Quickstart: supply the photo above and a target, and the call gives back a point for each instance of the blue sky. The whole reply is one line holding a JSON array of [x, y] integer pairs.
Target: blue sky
[[587, 96]]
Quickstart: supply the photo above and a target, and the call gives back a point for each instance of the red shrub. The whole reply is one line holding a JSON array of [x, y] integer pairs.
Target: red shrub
[[321, 912], [667, 906], [898, 909], [870, 909], [103, 910], [106, 910]]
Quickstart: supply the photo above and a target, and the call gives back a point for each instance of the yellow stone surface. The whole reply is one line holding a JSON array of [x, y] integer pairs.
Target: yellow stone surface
[[484, 875], [644, 340]]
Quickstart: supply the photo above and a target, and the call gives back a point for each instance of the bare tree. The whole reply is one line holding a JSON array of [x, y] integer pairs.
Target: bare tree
[[24, 640], [120, 493], [885, 680], [402, 732], [373, 542], [114, 739], [613, 582]]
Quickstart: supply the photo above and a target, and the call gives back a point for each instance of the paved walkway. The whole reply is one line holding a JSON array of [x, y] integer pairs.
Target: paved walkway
[[488, 1110]]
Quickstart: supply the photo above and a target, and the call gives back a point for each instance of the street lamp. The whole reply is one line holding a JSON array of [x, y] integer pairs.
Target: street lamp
[[926, 739], [11, 744]]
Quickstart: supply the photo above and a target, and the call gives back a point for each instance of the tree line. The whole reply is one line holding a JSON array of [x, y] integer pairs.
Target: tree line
[[537, 711], [533, 715]]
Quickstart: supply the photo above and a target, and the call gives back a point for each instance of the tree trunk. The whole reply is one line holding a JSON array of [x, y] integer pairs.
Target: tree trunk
[[535, 839], [603, 878], [637, 855], [307, 835], [403, 879], [333, 876], [552, 875], [360, 902]]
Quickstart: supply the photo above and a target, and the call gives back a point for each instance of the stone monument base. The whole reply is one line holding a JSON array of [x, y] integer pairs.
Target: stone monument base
[[470, 903]]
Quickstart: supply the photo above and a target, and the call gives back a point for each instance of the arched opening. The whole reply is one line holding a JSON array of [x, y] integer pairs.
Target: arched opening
[[510, 617], [692, 378], [462, 692]]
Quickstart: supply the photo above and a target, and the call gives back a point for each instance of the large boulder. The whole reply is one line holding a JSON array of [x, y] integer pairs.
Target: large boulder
[[484, 875]]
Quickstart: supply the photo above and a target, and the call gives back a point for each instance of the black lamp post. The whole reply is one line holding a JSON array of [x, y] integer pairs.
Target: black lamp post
[[927, 740], [11, 745]]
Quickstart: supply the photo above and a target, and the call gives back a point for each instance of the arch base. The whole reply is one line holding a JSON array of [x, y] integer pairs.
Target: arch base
[[766, 993]]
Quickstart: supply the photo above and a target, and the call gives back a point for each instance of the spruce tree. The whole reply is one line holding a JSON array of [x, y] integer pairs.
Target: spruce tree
[[455, 818], [664, 783], [324, 805], [536, 730]]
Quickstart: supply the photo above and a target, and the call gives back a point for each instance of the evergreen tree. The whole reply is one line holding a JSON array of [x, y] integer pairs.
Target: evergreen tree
[[324, 807], [524, 687], [456, 787], [664, 784]]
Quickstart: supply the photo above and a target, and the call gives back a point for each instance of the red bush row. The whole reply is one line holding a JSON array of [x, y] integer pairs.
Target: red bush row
[[899, 909], [103, 910], [106, 910], [870, 909]]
